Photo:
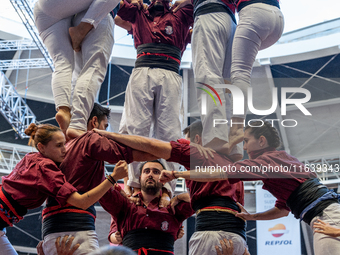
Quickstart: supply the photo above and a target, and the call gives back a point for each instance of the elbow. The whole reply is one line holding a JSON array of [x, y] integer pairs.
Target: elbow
[[285, 212]]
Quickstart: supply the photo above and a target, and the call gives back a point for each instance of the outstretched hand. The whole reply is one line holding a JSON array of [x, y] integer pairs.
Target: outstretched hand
[[324, 228], [227, 247], [244, 214], [64, 247], [204, 151]]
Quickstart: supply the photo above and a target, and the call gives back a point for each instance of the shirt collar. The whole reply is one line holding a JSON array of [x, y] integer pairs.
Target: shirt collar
[[153, 202]]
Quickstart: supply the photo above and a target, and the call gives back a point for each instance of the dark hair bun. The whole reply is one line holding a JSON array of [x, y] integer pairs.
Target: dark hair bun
[[31, 130]]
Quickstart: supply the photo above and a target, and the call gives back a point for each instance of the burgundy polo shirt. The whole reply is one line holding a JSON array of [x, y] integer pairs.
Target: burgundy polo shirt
[[35, 178], [169, 28], [281, 183], [83, 165]]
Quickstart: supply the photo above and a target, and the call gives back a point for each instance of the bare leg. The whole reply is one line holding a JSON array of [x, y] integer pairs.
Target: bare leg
[[78, 34], [63, 118]]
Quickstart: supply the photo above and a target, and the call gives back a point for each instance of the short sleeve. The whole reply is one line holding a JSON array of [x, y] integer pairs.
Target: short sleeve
[[104, 149]]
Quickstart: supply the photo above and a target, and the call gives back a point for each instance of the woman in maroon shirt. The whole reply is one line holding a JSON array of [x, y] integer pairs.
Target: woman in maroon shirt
[[293, 184], [37, 176]]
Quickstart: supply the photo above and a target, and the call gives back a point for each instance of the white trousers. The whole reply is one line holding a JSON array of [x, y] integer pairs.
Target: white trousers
[[56, 10], [6, 247], [204, 242], [325, 244], [211, 57], [95, 55], [153, 96], [260, 26], [88, 241]]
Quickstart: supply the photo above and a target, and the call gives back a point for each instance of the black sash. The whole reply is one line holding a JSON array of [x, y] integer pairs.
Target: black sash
[[171, 63], [304, 195], [149, 238], [219, 221]]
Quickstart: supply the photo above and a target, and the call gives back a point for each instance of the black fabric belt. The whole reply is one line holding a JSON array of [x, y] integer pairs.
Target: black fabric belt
[[64, 219], [217, 220], [10, 216], [210, 8], [304, 195], [158, 61], [149, 238]]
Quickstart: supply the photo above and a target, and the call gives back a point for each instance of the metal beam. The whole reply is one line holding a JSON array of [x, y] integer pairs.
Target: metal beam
[[14, 108], [15, 45], [23, 64], [24, 10]]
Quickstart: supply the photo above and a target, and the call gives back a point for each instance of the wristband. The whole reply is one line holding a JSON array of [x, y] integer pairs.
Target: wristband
[[111, 178], [107, 177]]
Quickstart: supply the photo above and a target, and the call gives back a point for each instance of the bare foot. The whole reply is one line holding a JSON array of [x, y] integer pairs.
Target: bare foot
[[63, 117], [78, 34], [74, 133]]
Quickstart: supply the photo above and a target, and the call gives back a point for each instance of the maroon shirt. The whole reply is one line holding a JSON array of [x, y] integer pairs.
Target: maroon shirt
[[83, 165], [35, 178], [185, 155], [129, 216], [169, 28], [281, 184]]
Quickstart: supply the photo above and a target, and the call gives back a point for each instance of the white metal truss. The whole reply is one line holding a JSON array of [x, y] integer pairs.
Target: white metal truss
[[24, 10], [326, 168], [14, 108], [15, 45], [32, 63], [8, 159]]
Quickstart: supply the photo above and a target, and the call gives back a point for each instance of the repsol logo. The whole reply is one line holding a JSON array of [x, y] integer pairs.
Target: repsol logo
[[283, 242]]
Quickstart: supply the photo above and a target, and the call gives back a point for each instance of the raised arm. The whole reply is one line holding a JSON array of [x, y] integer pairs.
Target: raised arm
[[159, 149], [87, 199], [123, 23]]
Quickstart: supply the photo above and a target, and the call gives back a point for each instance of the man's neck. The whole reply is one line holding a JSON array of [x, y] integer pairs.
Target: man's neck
[[147, 198]]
